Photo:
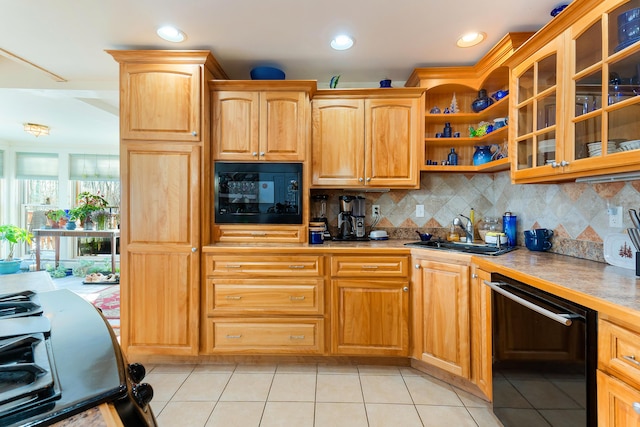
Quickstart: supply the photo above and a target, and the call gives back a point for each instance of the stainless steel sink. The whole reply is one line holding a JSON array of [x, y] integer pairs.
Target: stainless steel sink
[[470, 248]]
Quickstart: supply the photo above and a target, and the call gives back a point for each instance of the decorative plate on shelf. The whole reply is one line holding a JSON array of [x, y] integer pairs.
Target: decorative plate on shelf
[[619, 251]]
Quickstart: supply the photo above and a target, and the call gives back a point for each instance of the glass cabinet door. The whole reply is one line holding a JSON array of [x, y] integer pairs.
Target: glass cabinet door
[[607, 84], [536, 102]]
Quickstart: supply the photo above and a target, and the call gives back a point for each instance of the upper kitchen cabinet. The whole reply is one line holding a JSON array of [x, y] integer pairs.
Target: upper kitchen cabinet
[[366, 138], [161, 93], [260, 120], [465, 83], [574, 86]]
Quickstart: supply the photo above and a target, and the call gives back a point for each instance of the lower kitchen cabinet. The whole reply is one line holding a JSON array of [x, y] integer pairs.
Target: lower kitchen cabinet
[[618, 373], [370, 305], [618, 403], [481, 340], [442, 333]]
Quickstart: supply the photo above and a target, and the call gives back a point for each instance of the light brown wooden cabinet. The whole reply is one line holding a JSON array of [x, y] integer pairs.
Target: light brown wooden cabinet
[[481, 336], [369, 305], [270, 304], [162, 154], [366, 138], [618, 373], [261, 121], [570, 90], [442, 329]]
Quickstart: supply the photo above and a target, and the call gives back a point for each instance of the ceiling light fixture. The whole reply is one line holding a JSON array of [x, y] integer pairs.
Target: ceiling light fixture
[[470, 39], [171, 34], [36, 129], [342, 42]]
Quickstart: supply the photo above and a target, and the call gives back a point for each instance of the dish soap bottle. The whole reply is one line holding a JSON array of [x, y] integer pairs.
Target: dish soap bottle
[[453, 158], [453, 236]]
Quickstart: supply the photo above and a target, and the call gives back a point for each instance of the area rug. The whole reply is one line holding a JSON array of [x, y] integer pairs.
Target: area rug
[[109, 302]]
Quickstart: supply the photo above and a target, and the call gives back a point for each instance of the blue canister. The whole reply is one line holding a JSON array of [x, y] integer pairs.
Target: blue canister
[[316, 233], [509, 227]]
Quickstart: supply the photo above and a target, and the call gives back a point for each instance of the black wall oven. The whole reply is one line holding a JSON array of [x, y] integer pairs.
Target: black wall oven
[[258, 193], [544, 357]]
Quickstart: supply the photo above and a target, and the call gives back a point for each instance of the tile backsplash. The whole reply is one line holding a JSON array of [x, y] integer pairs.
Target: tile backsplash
[[576, 212]]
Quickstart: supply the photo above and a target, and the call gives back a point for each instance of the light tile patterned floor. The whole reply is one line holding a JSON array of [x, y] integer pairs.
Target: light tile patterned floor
[[309, 395]]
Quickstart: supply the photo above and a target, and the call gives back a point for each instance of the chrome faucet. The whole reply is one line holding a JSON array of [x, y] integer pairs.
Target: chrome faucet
[[468, 229]]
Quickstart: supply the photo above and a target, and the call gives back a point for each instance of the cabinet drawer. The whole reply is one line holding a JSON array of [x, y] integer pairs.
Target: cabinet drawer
[[271, 234], [384, 266], [265, 336], [619, 352], [248, 265], [265, 296]]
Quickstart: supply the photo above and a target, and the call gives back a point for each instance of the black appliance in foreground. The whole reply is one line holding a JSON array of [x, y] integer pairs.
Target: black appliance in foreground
[[258, 193], [544, 357], [59, 357]]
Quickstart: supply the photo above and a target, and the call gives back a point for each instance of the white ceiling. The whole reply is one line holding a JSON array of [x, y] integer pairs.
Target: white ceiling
[[68, 38]]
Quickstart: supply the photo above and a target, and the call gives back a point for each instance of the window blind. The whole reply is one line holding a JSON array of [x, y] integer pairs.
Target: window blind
[[94, 167], [36, 166]]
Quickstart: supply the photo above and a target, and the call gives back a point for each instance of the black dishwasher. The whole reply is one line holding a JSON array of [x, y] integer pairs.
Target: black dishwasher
[[544, 357]]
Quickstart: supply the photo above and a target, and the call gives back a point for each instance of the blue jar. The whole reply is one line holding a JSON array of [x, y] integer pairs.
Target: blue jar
[[510, 227], [316, 234], [453, 158]]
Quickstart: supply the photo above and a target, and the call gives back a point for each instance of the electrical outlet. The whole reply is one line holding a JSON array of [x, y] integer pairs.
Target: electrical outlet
[[419, 211], [375, 210], [615, 216]]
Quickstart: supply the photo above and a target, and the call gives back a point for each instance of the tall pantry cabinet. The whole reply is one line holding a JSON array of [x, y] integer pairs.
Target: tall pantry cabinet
[[164, 131]]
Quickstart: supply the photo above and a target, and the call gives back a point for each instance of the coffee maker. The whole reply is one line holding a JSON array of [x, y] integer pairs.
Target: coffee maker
[[351, 218]]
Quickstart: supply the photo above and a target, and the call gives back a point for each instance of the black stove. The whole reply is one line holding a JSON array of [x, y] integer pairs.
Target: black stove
[[60, 357]]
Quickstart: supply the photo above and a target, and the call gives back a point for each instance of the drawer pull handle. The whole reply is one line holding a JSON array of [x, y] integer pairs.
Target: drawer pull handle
[[298, 267], [234, 337], [370, 267], [296, 337], [295, 298], [258, 233], [631, 359], [234, 297], [233, 266], [636, 407]]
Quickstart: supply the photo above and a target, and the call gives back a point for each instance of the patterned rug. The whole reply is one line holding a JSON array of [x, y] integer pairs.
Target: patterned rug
[[109, 302]]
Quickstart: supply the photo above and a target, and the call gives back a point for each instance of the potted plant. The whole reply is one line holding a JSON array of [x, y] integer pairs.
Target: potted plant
[[88, 203], [101, 217], [54, 216], [13, 235]]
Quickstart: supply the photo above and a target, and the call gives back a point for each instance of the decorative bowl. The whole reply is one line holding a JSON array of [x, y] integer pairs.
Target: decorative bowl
[[267, 73], [425, 237]]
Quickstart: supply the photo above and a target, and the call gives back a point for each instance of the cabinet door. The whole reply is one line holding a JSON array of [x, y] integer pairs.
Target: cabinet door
[[283, 125], [160, 102], [445, 316], [370, 317], [337, 155], [392, 129], [236, 116], [618, 403], [159, 240], [537, 116], [481, 343]]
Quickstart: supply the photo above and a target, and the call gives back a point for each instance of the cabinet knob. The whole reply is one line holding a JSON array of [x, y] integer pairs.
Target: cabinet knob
[[636, 407], [405, 289], [194, 133], [564, 163], [262, 153], [360, 179], [417, 266], [474, 276], [254, 154], [368, 179], [194, 250]]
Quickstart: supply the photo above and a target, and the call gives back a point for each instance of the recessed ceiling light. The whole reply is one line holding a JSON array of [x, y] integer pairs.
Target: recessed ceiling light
[[470, 39], [171, 34], [342, 42]]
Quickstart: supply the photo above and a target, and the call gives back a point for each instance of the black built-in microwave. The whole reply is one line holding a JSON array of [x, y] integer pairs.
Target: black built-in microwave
[[258, 193]]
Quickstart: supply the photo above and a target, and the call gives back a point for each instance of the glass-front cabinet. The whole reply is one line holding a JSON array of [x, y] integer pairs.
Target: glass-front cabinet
[[576, 104]]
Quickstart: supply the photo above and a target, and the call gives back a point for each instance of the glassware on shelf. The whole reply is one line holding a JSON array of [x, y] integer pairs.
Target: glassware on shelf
[[481, 102]]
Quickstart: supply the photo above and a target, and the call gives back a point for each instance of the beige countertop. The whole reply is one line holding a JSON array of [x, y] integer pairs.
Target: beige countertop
[[602, 287]]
